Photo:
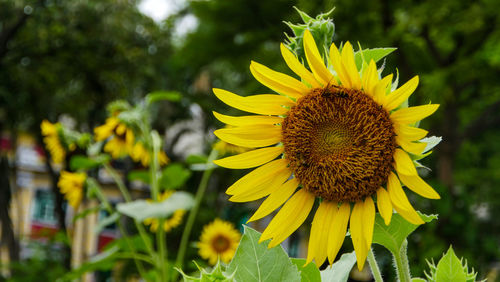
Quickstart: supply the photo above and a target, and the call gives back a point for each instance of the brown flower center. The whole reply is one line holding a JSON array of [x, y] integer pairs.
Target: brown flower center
[[220, 244], [340, 143]]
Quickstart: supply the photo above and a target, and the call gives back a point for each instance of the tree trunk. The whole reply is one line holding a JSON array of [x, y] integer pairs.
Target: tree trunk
[[8, 237]]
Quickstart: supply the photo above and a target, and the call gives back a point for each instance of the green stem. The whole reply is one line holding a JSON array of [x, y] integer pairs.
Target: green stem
[[374, 267], [155, 193], [402, 266], [135, 256], [128, 198], [202, 187]]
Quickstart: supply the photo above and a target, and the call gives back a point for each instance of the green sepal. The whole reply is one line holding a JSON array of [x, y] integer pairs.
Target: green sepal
[[375, 54], [322, 29], [450, 268], [217, 274]]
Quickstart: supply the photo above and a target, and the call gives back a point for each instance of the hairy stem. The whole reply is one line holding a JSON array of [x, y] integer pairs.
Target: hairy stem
[[402, 266], [374, 267]]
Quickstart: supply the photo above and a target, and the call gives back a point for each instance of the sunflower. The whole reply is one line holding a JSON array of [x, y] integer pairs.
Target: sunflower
[[122, 137], [52, 140], [71, 185], [342, 137], [140, 154], [219, 239], [169, 223]]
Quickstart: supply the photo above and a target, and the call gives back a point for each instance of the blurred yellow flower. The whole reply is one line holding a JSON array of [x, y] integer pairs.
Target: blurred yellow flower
[[52, 140], [169, 223], [219, 239], [140, 154], [122, 137], [71, 185], [225, 148]]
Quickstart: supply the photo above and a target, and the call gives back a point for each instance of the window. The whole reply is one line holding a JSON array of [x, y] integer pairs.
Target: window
[[44, 207]]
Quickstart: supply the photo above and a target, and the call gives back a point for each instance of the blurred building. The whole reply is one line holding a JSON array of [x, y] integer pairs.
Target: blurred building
[[33, 214]]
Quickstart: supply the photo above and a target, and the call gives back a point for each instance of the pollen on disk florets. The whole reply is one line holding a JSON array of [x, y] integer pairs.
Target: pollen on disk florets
[[340, 143]]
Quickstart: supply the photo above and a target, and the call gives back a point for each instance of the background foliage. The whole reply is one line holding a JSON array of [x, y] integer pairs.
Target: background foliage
[[73, 57]]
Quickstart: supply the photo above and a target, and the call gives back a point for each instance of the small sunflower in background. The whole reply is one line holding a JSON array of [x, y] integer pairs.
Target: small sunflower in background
[[169, 223], [121, 137], [51, 133], [219, 239], [341, 137], [139, 153], [71, 184]]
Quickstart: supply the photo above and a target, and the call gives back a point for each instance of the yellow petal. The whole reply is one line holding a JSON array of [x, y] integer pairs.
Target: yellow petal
[[419, 186], [384, 205], [277, 81], [357, 234], [250, 159], [276, 199], [404, 164], [262, 174], [250, 136], [338, 66], [415, 148], [248, 120], [289, 218], [350, 65], [381, 89], [413, 114], [370, 78], [398, 96], [294, 64], [410, 133], [338, 229], [263, 189], [319, 233], [316, 63], [264, 104], [400, 201], [368, 220]]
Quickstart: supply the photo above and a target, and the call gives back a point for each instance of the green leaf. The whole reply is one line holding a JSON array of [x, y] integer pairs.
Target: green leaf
[[80, 162], [131, 117], [367, 55], [196, 159], [418, 279], [103, 261], [174, 176], [163, 95], [393, 235], [142, 209], [130, 243], [431, 141], [141, 175], [256, 262], [339, 271], [106, 221], [309, 272]]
